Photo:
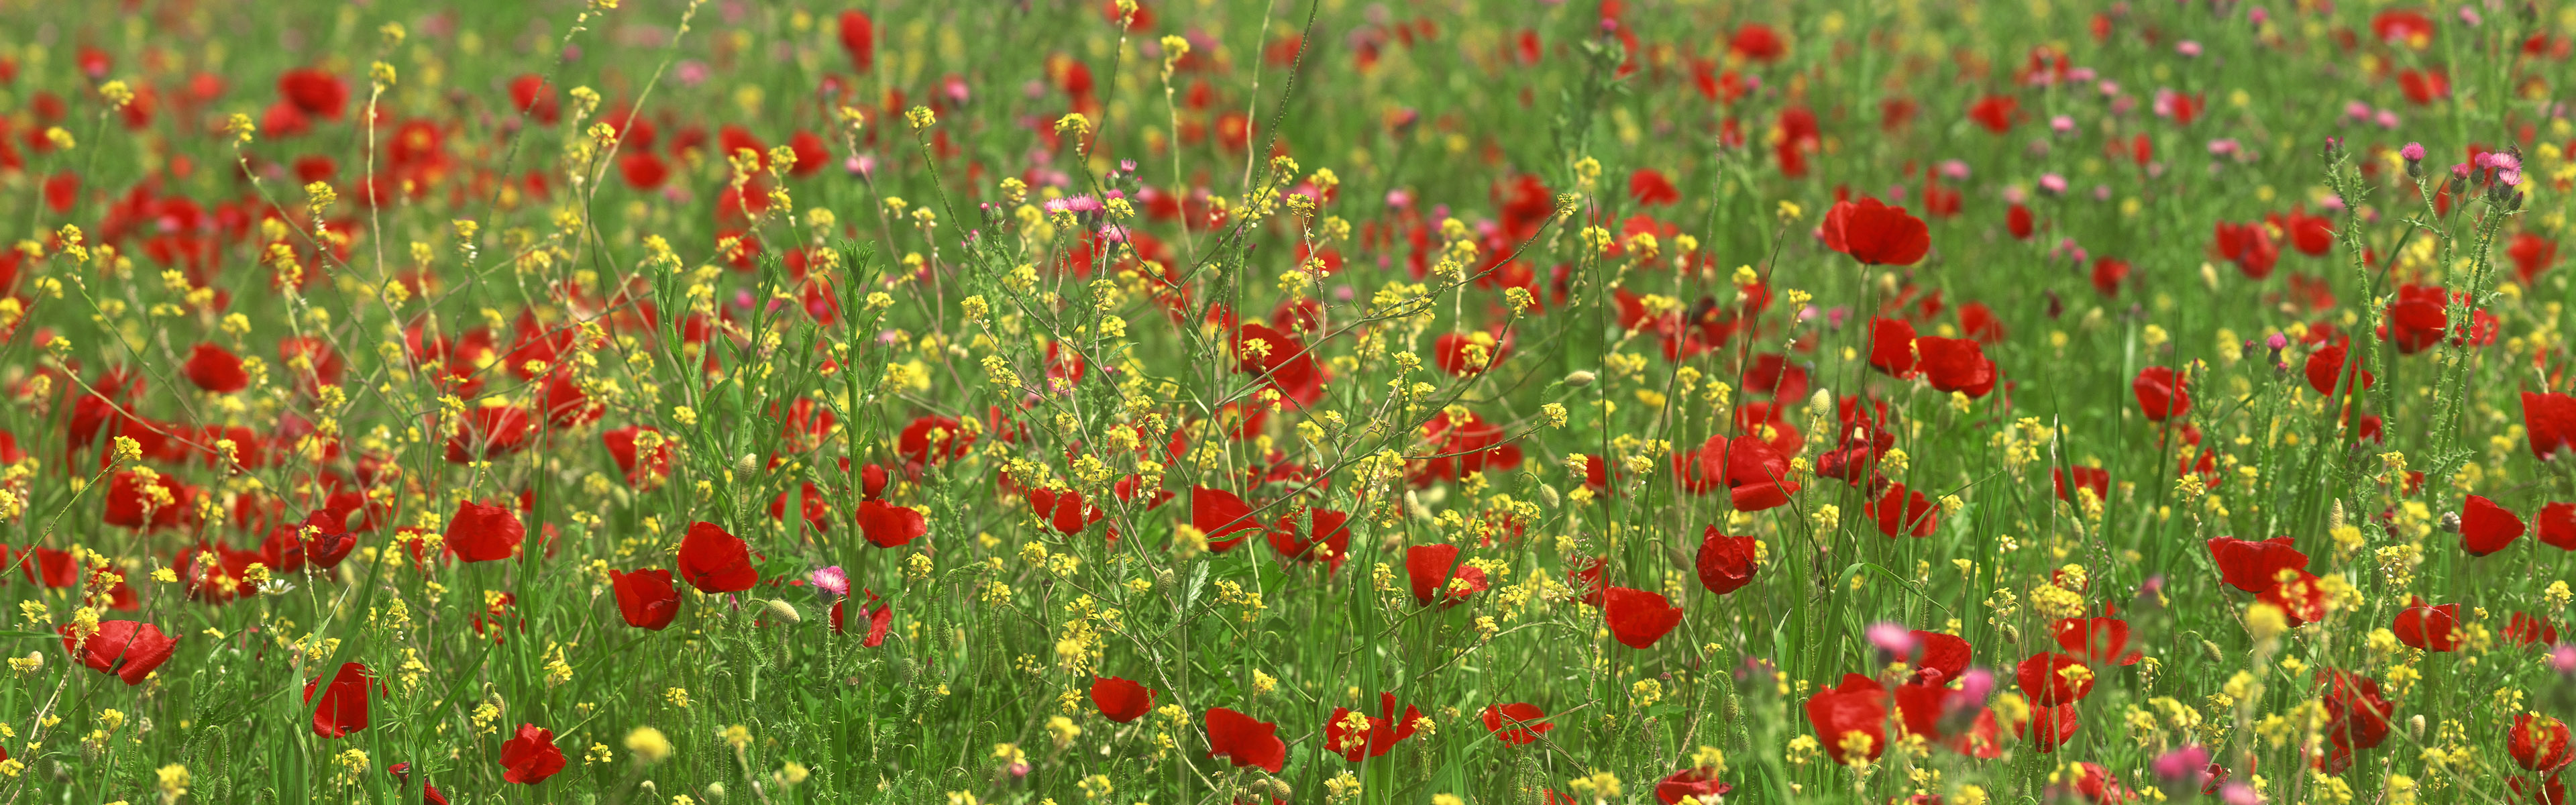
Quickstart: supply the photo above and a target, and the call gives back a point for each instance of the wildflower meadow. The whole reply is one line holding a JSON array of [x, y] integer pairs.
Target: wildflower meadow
[[1254, 402]]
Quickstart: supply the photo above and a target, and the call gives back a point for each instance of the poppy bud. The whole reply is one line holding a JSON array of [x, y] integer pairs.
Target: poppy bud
[[1162, 580], [2415, 727], [2450, 522], [715, 791], [1279, 789], [1548, 493], [2210, 650], [1580, 378], [746, 464], [783, 611]]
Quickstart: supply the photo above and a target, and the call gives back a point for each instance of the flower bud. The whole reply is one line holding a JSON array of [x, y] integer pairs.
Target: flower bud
[[1580, 378]]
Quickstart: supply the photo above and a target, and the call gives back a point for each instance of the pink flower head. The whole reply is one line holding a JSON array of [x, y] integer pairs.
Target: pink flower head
[[1892, 639], [2188, 48], [832, 580], [2052, 184], [2181, 763], [2413, 152]]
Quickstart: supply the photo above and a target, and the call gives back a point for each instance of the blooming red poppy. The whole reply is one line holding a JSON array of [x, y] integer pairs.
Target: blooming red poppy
[[216, 369], [1216, 513], [2326, 365], [1065, 510], [2092, 479], [2255, 567], [529, 95], [715, 561], [1638, 618], [2108, 273], [483, 533], [645, 597], [2550, 421], [1955, 364], [343, 708], [2531, 255], [2162, 393], [1994, 112], [488, 432], [2356, 715], [2051, 678], [530, 756], [1649, 187], [2524, 630], [890, 526], [2017, 221], [2099, 641], [1319, 534], [858, 36], [2300, 596], [1433, 572], [2049, 727], [128, 649], [644, 470], [2486, 528], [1245, 741], [1695, 785], [1726, 563], [1120, 700], [1901, 511], [880, 618], [1469, 354], [2558, 526], [2249, 246], [130, 506], [1940, 657], [1850, 719], [2428, 627], [1373, 735], [2538, 743], [933, 439], [1875, 233], [1891, 347], [1517, 724], [1754, 42], [314, 92]]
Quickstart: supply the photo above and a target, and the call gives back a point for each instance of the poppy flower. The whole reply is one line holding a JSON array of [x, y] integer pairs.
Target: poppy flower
[[879, 618], [1891, 347], [2428, 627], [314, 92], [2108, 273], [343, 708], [2100, 641], [216, 369], [890, 526], [1694, 785], [2162, 393], [2255, 567], [2486, 528], [2550, 422], [2047, 728], [488, 432], [1064, 509], [2558, 526], [2052, 678], [1245, 741], [1725, 563], [715, 561], [643, 469], [129, 505], [324, 538], [2249, 246], [1955, 365], [1875, 233], [1216, 513], [1469, 354], [1583, 578], [530, 756], [1517, 724], [645, 597], [858, 36], [1120, 700], [1320, 534], [2300, 597], [1638, 618], [2093, 479], [2326, 365], [2356, 715], [933, 439], [1900, 511], [2538, 743], [484, 533], [1649, 187], [1850, 719], [2525, 629], [128, 649], [1368, 736]]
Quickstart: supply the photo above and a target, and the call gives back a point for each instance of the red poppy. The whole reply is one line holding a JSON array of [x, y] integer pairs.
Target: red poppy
[[2428, 627], [2255, 567], [1245, 741], [314, 92], [2249, 246], [1065, 510], [2162, 393], [1876, 234], [530, 756], [2550, 420], [933, 439], [2558, 526], [1320, 534], [489, 432], [530, 95], [1216, 513], [1994, 112], [715, 561], [1380, 733], [2299, 596], [1850, 719], [1428, 569], [128, 504], [880, 618], [2051, 679], [889, 526], [128, 649], [2356, 715], [643, 471], [1695, 785], [858, 36], [645, 597], [1755, 42], [2093, 479], [2524, 629], [1517, 724], [1725, 563], [1649, 187], [2099, 641], [216, 369], [1638, 618], [2108, 273], [2486, 528], [484, 533], [2538, 743], [1469, 354], [1900, 511], [343, 709], [1891, 347], [1120, 700], [2326, 365], [2049, 727], [1955, 364]]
